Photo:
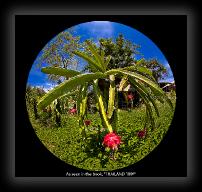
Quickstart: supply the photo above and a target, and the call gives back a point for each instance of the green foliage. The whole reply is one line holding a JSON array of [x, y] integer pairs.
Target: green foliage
[[112, 92], [141, 70], [122, 54], [48, 116], [145, 82], [102, 110], [66, 141], [158, 70], [32, 94], [91, 61], [122, 51], [60, 71]]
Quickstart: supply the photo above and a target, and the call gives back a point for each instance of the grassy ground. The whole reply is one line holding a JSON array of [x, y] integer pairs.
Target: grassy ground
[[66, 142]]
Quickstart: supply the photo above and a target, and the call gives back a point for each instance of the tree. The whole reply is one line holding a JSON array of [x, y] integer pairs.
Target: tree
[[59, 53], [122, 51]]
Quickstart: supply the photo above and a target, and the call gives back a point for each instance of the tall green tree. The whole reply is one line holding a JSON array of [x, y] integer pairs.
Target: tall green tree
[[122, 51]]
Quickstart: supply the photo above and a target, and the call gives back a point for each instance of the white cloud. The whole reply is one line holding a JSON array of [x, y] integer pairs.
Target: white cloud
[[168, 79], [166, 64], [101, 28], [46, 87]]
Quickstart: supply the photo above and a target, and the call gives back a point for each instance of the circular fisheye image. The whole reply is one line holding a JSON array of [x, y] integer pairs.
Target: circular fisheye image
[[100, 96]]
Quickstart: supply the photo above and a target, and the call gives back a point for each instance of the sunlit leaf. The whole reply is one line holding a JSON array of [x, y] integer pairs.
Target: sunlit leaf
[[144, 93], [111, 96], [60, 71], [100, 102], [98, 58], [123, 83], [91, 61]]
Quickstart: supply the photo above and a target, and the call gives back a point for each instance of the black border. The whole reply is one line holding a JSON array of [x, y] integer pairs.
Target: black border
[[186, 183]]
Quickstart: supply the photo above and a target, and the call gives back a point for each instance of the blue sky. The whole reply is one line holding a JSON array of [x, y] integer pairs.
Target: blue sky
[[106, 29]]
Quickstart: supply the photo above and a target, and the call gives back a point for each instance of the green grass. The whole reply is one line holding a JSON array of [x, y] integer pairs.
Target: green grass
[[66, 142]]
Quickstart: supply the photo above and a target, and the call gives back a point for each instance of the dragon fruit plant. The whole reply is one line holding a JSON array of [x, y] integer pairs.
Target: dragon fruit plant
[[135, 75]]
